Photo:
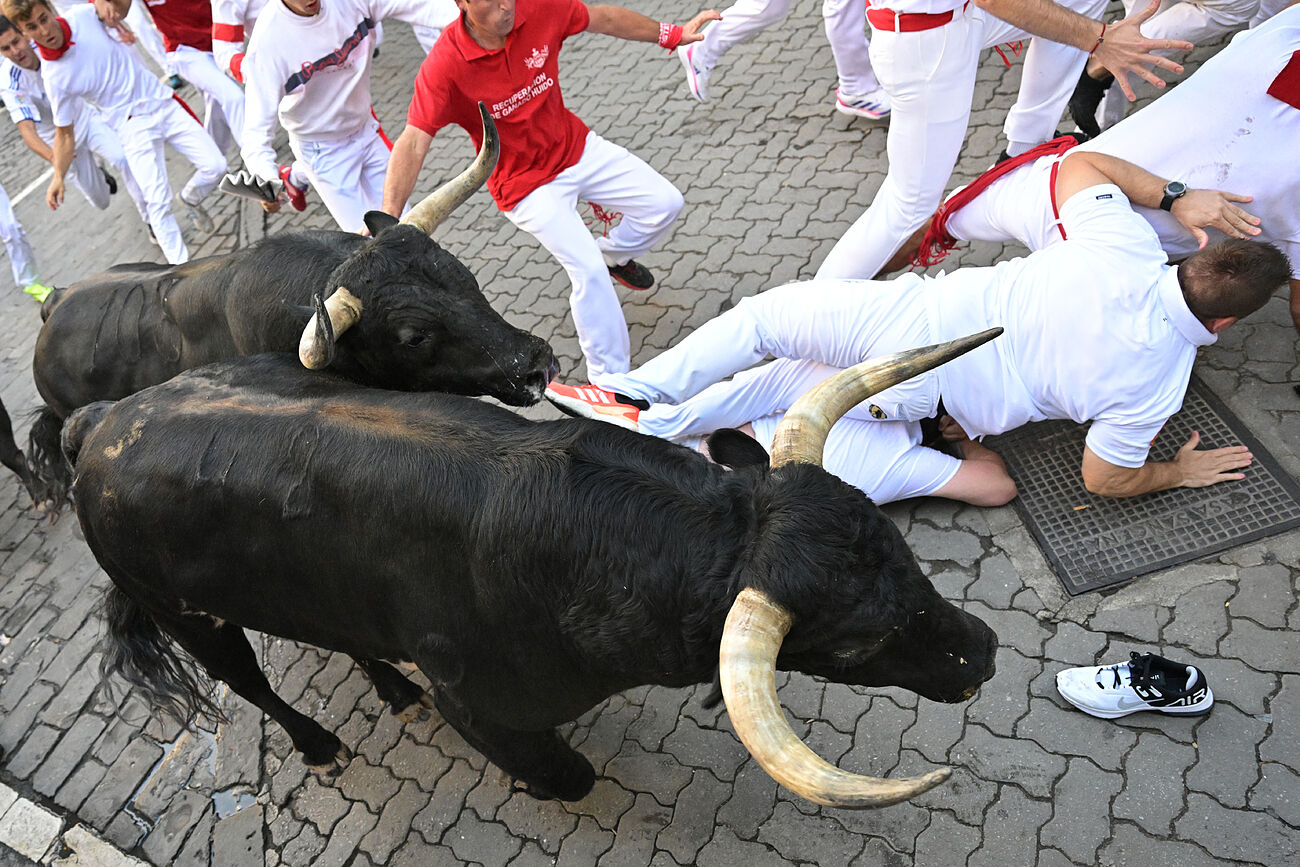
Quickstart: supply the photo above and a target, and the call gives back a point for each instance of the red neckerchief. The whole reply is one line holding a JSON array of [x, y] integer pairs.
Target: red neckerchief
[[56, 53]]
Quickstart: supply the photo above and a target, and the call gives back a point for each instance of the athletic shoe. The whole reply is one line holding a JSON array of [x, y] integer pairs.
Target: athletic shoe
[[1145, 682], [632, 274], [297, 195], [591, 401], [872, 106], [1088, 94], [110, 180], [198, 216], [697, 77], [39, 291]]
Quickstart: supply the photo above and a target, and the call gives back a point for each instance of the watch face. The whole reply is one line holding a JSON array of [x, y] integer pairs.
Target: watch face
[[1175, 188]]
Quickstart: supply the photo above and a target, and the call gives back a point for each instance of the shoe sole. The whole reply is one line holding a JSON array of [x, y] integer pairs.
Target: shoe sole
[[623, 282], [1201, 708], [576, 408], [692, 80], [853, 112]]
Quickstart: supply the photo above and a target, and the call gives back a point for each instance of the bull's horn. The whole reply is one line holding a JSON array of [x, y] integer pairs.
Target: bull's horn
[[747, 667], [801, 435], [316, 347], [430, 213]]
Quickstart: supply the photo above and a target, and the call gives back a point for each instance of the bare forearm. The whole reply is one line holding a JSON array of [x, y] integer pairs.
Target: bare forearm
[[64, 150], [623, 24], [1147, 479], [404, 168], [1139, 185], [1046, 19], [37, 145]]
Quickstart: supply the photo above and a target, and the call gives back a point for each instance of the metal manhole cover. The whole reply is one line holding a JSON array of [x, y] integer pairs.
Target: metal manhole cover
[[1093, 542]]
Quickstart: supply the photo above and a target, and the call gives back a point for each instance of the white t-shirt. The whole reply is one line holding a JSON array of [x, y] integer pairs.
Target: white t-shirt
[[315, 72], [232, 21], [24, 96], [1096, 329], [103, 72]]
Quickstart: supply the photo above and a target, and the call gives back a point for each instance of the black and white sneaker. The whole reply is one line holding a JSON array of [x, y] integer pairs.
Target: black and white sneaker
[[1145, 682]]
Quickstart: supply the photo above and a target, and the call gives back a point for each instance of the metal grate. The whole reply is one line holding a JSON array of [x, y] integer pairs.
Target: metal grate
[[1093, 542]]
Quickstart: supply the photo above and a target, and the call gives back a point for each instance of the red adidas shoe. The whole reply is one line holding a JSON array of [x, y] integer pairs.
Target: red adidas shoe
[[591, 401], [297, 195]]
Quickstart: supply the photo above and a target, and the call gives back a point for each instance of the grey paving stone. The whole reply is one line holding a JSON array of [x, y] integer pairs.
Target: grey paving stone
[[930, 543], [946, 842], [1005, 699], [120, 781], [1154, 792], [605, 804], [815, 839], [1129, 847], [487, 843], [694, 814], [545, 823], [164, 841], [303, 848], [719, 751], [39, 743], [937, 728], [751, 803], [394, 824], [1080, 820], [237, 839], [1139, 623], [1071, 733], [1226, 765], [1201, 618], [80, 784], [728, 850], [1015, 629], [1011, 830], [1053, 858], [997, 584], [343, 839], [1283, 742], [1023, 763], [657, 774], [365, 782], [197, 849], [1238, 684], [634, 840], [1264, 594], [321, 804], [447, 802], [965, 794], [1278, 792], [586, 844], [1240, 834], [417, 853], [1262, 649], [878, 738], [414, 761], [16, 722]]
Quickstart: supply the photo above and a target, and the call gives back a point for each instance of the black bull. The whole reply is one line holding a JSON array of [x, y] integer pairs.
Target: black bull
[[529, 569], [10, 455], [422, 324]]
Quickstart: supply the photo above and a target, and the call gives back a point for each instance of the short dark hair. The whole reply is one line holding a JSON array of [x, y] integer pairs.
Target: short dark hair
[[1232, 278], [6, 25]]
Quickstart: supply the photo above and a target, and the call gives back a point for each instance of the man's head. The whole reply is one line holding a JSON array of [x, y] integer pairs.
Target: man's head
[[489, 21], [37, 20], [305, 8], [1231, 279], [15, 47]]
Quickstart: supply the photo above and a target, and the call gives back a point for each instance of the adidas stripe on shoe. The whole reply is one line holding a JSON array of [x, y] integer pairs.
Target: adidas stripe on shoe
[[592, 401]]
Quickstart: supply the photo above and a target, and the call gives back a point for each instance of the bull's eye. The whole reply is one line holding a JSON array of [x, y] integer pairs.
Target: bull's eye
[[414, 340]]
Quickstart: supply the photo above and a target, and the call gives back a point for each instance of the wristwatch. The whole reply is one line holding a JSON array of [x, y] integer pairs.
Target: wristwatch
[[1174, 190]]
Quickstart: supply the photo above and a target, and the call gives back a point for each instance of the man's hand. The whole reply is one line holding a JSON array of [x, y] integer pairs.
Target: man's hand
[[112, 13], [1213, 208], [951, 431], [691, 29], [1125, 51], [1202, 468], [54, 193]]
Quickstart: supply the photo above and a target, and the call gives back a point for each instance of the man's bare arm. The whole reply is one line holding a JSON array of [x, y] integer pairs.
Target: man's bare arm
[[1191, 468], [626, 24], [404, 166], [64, 150], [1195, 210], [36, 144], [1123, 49]]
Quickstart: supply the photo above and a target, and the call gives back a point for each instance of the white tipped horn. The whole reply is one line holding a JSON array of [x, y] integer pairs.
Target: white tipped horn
[[315, 347]]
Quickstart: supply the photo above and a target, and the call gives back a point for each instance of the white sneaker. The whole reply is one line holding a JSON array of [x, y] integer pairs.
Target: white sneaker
[[697, 77], [199, 217], [1145, 682], [872, 106]]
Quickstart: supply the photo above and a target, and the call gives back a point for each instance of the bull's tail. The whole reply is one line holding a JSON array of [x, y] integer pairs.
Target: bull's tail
[[136, 648], [50, 473]]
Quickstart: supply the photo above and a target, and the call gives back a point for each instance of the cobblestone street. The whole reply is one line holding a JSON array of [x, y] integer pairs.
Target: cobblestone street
[[772, 176]]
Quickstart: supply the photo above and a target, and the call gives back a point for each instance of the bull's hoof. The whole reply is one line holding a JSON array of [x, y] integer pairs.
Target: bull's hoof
[[332, 766], [575, 785], [416, 711]]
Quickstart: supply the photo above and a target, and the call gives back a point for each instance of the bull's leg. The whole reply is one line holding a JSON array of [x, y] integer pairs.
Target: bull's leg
[[226, 655], [541, 760], [406, 700]]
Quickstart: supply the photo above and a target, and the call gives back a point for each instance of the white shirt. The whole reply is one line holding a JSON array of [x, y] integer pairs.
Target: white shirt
[[1247, 141], [24, 95], [1096, 329], [315, 72], [103, 72], [232, 21]]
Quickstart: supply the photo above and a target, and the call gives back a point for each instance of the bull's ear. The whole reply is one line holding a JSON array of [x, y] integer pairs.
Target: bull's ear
[[735, 449], [377, 221]]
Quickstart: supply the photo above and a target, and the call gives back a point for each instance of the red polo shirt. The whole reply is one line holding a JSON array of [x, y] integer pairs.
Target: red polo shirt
[[520, 87]]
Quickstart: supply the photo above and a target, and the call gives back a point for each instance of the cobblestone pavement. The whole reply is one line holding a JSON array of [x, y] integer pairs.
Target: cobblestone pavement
[[771, 177]]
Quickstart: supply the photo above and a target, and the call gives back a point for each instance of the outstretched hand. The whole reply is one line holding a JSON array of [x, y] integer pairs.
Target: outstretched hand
[[1126, 51], [54, 193], [1198, 209], [691, 29], [1201, 469]]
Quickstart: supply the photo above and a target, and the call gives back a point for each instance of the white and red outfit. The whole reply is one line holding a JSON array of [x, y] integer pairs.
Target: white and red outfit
[[232, 21], [22, 261], [314, 73], [549, 161], [186, 27], [925, 54], [1246, 146], [1096, 330], [145, 113], [24, 95]]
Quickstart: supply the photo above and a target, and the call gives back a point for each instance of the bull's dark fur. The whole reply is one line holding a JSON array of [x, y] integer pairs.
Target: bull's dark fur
[[529, 569], [12, 457], [425, 325]]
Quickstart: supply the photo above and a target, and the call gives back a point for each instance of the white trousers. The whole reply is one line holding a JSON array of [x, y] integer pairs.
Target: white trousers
[[617, 180], [348, 174], [223, 99], [930, 78], [21, 259], [833, 322], [97, 138], [143, 137]]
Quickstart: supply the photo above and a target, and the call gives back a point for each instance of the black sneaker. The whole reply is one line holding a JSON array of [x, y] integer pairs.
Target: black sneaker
[[110, 180], [174, 81], [1145, 682], [633, 275], [1088, 94]]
